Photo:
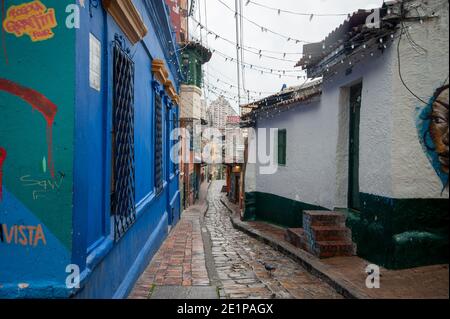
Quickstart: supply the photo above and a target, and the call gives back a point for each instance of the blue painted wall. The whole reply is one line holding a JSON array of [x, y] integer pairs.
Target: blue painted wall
[[111, 268], [82, 144]]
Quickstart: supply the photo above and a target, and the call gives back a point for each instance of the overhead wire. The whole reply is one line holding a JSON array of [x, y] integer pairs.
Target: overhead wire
[[250, 49], [310, 14], [263, 29]]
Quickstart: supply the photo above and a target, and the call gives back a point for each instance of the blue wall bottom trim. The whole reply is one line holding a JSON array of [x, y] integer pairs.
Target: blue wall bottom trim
[[148, 251], [41, 290], [116, 274]]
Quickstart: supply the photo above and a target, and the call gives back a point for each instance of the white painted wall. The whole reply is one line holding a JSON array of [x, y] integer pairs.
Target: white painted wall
[[375, 157], [413, 175], [392, 161], [317, 139], [190, 101], [250, 170], [309, 174]]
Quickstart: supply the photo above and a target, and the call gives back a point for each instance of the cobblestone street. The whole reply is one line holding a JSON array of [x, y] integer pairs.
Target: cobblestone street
[[205, 257], [240, 262]]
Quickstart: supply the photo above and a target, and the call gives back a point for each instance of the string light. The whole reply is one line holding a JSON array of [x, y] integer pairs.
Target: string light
[[235, 86], [383, 44], [310, 15], [263, 70], [383, 41], [263, 29], [229, 95], [251, 49]]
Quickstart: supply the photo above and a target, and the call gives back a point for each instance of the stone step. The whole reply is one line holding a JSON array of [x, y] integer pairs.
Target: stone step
[[323, 218], [326, 249], [330, 233], [295, 236]]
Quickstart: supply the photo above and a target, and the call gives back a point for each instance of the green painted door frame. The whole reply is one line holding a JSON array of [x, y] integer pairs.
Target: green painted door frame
[[353, 169]]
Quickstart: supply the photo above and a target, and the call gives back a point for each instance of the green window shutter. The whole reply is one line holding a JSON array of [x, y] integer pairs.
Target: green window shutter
[[282, 147]]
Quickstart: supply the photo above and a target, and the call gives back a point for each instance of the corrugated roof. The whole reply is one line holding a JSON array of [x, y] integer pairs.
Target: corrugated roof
[[351, 34], [287, 97]]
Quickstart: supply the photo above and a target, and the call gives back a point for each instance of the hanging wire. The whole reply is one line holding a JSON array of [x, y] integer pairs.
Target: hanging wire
[[250, 49], [206, 78], [227, 92], [258, 67], [217, 79], [238, 62], [279, 11], [241, 26], [261, 69], [399, 57], [263, 29]]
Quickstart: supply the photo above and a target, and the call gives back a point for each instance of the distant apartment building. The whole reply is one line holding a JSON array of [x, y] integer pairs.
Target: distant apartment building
[[219, 110]]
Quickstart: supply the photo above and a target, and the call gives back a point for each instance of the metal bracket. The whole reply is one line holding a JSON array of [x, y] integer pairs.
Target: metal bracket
[[92, 4], [120, 39]]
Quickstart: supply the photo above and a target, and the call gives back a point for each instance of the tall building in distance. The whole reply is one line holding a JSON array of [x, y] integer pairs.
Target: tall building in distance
[[219, 111]]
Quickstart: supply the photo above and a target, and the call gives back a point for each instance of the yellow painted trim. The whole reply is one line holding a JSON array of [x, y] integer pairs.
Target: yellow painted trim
[[159, 69], [162, 76], [127, 18]]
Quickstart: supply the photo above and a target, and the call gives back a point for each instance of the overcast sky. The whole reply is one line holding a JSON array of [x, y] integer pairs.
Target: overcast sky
[[221, 21]]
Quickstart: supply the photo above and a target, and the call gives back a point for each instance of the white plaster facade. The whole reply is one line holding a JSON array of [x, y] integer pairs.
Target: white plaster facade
[[190, 102], [392, 161]]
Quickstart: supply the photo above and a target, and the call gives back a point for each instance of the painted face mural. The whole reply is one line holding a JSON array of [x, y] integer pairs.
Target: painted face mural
[[432, 123]]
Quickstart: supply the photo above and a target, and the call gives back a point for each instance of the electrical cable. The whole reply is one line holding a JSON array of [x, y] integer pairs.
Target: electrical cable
[[399, 61], [263, 29], [249, 48], [297, 13]]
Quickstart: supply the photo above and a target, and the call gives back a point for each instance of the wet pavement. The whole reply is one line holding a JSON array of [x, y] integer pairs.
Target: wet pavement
[[248, 268], [205, 253]]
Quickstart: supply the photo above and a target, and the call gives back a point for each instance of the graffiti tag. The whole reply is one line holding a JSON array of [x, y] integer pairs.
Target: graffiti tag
[[42, 186], [33, 19], [22, 235]]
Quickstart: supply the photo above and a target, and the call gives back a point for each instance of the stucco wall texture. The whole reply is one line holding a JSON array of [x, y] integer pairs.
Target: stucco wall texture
[[392, 161], [413, 175], [190, 101]]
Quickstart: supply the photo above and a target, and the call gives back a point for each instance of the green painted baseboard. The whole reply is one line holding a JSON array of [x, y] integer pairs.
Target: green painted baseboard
[[401, 233], [275, 209], [394, 233]]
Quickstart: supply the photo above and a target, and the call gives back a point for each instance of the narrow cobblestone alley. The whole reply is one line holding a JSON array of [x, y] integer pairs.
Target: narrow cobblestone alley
[[240, 262], [227, 263]]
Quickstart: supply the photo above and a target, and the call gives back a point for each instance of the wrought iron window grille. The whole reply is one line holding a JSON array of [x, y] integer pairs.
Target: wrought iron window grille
[[159, 174], [123, 207]]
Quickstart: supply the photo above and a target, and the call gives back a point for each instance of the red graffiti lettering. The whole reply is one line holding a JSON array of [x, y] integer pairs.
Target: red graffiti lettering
[[2, 159], [40, 103]]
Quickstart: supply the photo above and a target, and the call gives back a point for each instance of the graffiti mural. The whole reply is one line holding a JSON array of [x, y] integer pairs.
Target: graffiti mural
[[40, 103], [24, 235], [43, 186], [432, 125], [37, 141], [2, 159], [32, 19]]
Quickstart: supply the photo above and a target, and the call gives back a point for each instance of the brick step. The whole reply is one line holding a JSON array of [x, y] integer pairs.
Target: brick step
[[325, 249], [295, 236], [330, 233], [323, 218]]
